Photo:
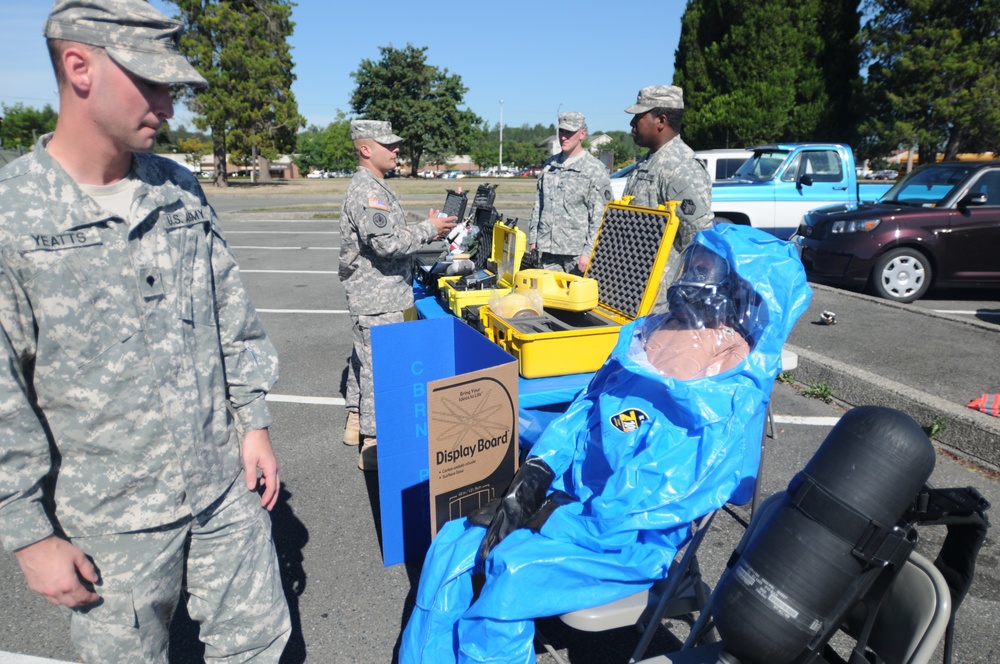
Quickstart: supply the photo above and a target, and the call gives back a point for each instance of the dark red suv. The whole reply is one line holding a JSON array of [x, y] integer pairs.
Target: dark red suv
[[940, 226]]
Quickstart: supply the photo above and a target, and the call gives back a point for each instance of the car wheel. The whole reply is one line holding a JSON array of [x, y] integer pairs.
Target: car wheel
[[901, 275]]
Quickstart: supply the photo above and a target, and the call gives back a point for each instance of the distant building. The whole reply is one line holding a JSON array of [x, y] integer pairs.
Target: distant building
[[281, 168]]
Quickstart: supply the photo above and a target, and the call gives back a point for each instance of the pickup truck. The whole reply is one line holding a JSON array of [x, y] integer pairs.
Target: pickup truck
[[781, 182]]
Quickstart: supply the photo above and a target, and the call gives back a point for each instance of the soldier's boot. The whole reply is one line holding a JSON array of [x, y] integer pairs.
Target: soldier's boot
[[368, 459], [352, 430]]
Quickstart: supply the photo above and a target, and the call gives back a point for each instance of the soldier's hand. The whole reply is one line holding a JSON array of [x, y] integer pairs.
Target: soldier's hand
[[582, 261], [258, 454], [442, 224], [59, 572]]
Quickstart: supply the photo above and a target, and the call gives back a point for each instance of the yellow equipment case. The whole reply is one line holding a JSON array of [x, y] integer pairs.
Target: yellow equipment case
[[628, 261], [508, 246]]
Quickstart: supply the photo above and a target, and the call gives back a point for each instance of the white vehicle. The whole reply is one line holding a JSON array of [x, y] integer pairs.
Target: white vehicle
[[720, 164]]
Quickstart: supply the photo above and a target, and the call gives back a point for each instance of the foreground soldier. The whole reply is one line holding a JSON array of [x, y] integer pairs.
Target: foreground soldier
[[376, 268], [668, 172], [573, 189], [131, 355]]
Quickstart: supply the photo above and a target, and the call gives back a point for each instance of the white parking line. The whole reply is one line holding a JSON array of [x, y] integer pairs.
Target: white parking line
[[810, 421], [282, 232], [303, 311], [319, 401], [289, 272], [248, 246]]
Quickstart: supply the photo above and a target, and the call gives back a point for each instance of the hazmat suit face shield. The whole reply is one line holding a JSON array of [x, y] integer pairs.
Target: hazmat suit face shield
[[699, 297], [708, 327]]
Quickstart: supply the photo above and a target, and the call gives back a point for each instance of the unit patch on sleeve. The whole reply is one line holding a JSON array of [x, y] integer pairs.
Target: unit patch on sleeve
[[377, 221]]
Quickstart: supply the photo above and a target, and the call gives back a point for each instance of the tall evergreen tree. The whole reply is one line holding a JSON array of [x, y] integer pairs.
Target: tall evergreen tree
[[421, 101], [766, 71], [933, 75], [241, 48]]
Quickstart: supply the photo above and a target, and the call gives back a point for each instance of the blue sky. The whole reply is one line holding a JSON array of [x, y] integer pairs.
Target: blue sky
[[538, 57]]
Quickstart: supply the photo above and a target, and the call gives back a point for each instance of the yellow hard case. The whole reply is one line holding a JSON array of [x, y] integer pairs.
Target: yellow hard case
[[560, 290], [509, 245], [628, 261]]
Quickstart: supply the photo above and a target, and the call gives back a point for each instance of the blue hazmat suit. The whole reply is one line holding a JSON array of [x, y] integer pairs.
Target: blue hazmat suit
[[641, 455]]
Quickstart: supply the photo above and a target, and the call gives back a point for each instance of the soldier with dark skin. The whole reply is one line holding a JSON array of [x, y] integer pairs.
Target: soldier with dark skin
[[376, 268], [668, 172]]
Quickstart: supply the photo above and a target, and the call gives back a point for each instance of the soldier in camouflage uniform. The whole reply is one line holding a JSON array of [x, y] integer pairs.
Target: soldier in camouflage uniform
[[132, 358], [573, 189], [668, 172], [376, 268]]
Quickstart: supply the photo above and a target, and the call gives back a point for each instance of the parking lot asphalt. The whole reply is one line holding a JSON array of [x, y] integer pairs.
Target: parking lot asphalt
[[349, 608], [926, 364]]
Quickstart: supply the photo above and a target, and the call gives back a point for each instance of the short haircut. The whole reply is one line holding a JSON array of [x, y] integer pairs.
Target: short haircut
[[56, 49], [675, 116]]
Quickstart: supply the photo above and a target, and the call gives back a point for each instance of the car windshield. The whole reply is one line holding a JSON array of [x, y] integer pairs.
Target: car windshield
[[928, 187], [761, 166]]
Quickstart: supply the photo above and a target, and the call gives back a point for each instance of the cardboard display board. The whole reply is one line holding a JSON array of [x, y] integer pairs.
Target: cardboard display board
[[472, 428], [440, 387]]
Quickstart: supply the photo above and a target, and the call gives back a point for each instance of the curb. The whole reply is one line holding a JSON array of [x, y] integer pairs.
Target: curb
[[967, 433], [14, 658]]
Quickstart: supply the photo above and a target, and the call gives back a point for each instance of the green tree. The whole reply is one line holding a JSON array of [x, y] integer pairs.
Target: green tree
[[421, 101], [328, 149], [485, 151], [764, 71], [624, 147], [523, 154], [195, 149], [22, 125], [241, 48], [933, 75]]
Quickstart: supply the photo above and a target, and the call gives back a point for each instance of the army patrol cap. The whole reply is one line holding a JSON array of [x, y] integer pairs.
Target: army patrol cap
[[572, 121], [379, 131], [135, 35], [657, 96]]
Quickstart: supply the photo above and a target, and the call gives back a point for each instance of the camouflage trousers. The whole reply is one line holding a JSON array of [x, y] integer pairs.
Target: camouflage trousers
[[224, 562], [360, 393], [560, 263]]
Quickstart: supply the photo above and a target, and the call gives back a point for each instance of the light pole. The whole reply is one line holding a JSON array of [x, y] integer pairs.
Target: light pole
[[501, 135]]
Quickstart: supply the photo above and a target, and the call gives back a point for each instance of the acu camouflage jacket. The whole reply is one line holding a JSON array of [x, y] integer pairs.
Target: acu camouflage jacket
[[127, 350]]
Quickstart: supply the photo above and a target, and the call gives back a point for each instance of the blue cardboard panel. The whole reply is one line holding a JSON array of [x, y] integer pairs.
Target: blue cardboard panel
[[405, 357]]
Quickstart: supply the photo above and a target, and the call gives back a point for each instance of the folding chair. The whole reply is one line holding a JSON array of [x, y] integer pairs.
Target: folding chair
[[681, 593], [910, 624], [910, 620]]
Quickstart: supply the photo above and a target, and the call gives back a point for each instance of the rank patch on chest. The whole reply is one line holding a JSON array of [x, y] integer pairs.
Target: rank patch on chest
[[377, 203], [688, 207]]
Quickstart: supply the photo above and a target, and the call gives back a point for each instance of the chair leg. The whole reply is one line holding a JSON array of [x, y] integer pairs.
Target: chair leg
[[548, 647]]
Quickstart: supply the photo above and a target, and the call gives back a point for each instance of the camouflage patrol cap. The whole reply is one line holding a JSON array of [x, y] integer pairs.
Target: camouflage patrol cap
[[657, 96], [379, 131], [135, 35], [572, 121]]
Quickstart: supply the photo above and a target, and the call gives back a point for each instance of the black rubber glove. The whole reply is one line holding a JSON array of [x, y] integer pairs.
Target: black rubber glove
[[521, 501]]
